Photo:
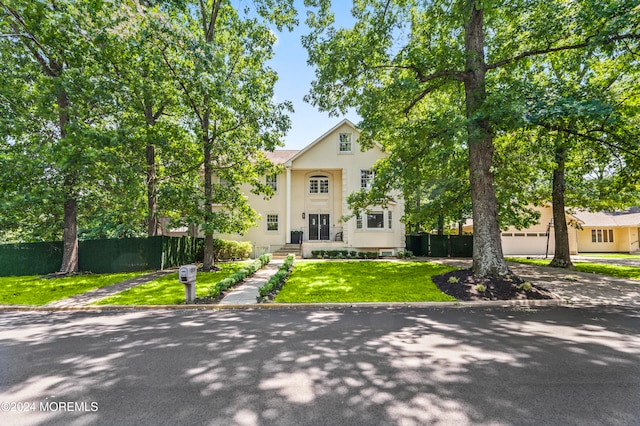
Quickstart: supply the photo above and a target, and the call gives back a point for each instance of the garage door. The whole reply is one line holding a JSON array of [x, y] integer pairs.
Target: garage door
[[526, 243]]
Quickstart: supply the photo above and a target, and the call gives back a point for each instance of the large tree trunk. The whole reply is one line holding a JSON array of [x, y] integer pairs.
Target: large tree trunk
[[562, 256], [208, 27], [207, 144], [70, 237], [70, 231], [488, 259], [152, 174], [152, 192]]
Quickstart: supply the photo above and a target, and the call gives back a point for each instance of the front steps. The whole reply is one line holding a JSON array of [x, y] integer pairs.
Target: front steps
[[287, 249]]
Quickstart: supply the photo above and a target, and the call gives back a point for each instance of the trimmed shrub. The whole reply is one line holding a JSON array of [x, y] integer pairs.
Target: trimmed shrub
[[231, 250], [368, 254], [406, 254], [230, 281], [276, 281]]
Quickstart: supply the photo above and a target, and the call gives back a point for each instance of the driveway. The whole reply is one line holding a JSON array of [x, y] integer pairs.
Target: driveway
[[572, 286]]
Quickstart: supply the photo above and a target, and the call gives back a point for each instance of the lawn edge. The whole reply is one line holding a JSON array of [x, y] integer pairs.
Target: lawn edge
[[288, 306]]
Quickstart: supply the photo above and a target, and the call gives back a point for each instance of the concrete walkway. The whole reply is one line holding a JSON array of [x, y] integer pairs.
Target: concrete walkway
[[247, 293], [576, 288], [92, 296]]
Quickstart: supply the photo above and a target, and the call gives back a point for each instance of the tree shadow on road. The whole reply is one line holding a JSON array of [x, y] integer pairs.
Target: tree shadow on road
[[363, 366]]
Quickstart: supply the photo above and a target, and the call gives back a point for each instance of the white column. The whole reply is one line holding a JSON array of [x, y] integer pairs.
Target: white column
[[288, 206]]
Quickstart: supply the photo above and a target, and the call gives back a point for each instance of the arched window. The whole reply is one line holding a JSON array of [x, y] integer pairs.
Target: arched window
[[318, 184]]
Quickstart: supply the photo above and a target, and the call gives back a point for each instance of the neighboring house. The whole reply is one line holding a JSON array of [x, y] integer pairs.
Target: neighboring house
[[310, 197], [609, 231], [538, 239], [597, 232]]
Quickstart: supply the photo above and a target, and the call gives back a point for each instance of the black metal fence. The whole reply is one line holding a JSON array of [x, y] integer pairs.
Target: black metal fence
[[100, 256], [433, 245]]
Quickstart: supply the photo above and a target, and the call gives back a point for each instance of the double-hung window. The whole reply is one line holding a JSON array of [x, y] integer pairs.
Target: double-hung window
[[366, 176], [272, 181], [344, 142], [272, 222]]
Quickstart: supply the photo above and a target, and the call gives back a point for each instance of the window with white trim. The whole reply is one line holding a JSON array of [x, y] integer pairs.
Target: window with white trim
[[272, 181], [602, 235], [375, 220], [366, 176], [319, 185], [272, 222], [344, 142]]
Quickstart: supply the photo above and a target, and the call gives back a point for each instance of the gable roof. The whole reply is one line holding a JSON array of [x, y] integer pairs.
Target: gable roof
[[628, 217], [324, 135]]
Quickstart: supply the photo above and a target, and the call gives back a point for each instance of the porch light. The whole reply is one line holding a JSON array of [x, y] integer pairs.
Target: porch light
[[303, 215]]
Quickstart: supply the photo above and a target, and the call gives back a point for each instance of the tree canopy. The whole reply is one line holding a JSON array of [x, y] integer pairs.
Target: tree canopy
[[114, 113], [448, 74]]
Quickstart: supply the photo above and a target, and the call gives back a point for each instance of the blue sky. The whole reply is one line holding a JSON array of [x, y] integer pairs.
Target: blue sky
[[294, 81]]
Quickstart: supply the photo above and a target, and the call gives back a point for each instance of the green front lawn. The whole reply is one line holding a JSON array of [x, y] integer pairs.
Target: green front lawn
[[37, 291], [168, 290], [611, 255], [362, 281], [630, 272]]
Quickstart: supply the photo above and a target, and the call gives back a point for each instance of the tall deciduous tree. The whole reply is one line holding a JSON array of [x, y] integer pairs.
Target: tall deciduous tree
[[150, 111], [417, 49], [54, 121], [218, 60], [582, 112]]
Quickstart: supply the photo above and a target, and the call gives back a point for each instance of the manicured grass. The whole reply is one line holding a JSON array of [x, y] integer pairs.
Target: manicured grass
[[37, 291], [168, 290], [362, 281], [630, 272], [611, 255]]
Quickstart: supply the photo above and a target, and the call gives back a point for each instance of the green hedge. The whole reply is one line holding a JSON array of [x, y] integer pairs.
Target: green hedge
[[230, 281], [231, 250], [277, 279], [343, 254]]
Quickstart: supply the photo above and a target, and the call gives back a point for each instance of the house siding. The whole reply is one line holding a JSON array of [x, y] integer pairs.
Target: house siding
[[620, 242], [323, 158], [533, 240]]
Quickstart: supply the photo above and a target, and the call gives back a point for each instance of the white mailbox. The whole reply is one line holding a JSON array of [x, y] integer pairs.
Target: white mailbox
[[188, 273], [187, 276]]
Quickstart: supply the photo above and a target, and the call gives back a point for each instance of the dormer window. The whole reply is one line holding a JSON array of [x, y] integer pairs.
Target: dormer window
[[344, 142]]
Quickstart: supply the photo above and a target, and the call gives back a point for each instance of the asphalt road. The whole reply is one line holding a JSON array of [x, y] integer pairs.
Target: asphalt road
[[405, 366]]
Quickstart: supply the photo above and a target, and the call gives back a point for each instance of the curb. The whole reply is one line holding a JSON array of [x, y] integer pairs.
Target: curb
[[289, 306]]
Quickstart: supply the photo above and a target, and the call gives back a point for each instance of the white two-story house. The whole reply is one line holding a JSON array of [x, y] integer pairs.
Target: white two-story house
[[310, 196]]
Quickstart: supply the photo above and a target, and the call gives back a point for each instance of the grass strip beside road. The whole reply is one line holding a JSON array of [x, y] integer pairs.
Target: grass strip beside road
[[38, 291], [619, 271], [609, 255], [362, 281], [168, 290]]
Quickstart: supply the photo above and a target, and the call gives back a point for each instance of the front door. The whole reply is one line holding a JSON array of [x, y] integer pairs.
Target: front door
[[318, 227]]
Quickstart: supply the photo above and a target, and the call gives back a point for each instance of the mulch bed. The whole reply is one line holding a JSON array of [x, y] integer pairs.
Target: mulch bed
[[498, 288]]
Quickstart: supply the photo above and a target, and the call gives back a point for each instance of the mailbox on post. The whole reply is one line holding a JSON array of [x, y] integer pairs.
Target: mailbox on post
[[187, 276]]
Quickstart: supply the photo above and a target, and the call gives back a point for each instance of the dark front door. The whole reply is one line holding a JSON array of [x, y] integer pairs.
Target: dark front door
[[318, 227]]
